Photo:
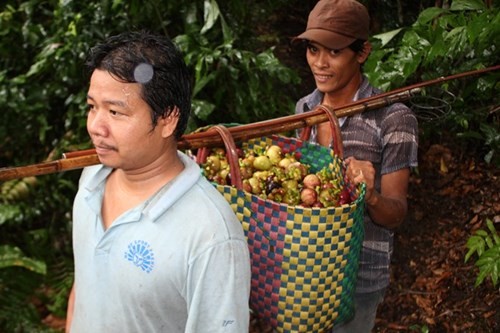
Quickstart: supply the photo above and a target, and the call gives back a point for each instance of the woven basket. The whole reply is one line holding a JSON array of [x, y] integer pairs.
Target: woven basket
[[304, 260]]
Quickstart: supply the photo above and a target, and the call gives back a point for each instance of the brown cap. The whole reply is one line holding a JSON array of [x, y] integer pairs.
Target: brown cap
[[336, 23]]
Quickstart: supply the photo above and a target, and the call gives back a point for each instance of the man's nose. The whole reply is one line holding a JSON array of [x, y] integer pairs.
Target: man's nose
[[97, 123]]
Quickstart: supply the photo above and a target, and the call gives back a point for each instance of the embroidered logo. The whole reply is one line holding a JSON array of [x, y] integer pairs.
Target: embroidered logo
[[141, 254]]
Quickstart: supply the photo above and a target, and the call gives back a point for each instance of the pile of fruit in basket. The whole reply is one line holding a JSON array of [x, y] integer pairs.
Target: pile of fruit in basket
[[281, 177]]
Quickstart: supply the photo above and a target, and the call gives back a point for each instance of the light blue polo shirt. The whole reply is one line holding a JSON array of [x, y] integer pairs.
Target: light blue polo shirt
[[178, 262]]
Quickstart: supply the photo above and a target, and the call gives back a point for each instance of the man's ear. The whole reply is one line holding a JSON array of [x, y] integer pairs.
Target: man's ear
[[169, 123], [365, 52]]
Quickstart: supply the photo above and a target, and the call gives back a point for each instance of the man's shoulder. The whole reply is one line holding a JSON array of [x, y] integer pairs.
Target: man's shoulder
[[94, 174], [367, 91], [307, 102]]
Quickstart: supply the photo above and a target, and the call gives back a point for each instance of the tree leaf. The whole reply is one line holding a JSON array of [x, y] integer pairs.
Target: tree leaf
[[12, 256], [386, 37], [458, 5], [429, 14], [475, 244], [210, 14]]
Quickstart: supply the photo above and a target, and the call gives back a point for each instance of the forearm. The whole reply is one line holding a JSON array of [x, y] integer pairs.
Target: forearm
[[386, 211], [388, 207], [69, 312]]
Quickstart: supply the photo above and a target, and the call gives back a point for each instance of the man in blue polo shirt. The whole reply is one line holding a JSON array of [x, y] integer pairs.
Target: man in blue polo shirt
[[156, 247]]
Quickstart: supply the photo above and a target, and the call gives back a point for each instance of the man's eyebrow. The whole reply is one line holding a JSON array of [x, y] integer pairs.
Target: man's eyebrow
[[118, 103]]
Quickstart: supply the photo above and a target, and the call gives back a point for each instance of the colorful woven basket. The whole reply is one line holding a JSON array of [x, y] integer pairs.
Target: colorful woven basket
[[304, 260]]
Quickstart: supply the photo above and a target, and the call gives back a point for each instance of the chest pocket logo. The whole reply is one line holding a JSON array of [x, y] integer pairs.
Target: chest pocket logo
[[141, 255]]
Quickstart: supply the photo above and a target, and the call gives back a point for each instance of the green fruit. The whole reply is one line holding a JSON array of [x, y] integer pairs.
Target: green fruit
[[290, 184], [213, 162], [247, 161], [255, 185], [274, 154], [285, 162], [291, 197], [262, 175], [327, 197], [262, 163]]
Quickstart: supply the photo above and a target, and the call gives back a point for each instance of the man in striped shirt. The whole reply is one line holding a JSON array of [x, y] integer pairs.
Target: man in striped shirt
[[380, 145]]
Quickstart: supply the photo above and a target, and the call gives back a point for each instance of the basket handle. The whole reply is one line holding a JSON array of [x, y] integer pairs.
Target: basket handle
[[231, 154], [336, 144]]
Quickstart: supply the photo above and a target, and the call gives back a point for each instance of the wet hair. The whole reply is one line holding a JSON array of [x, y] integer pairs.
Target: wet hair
[[156, 64]]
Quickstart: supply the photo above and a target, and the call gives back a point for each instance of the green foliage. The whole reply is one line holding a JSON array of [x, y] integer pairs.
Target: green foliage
[[231, 84], [237, 78], [13, 256], [36, 248], [45, 86], [17, 189], [21, 292], [43, 98], [443, 42], [419, 328], [486, 245]]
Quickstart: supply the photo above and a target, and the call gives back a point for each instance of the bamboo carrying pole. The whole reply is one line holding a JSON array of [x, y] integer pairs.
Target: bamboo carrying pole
[[83, 158]]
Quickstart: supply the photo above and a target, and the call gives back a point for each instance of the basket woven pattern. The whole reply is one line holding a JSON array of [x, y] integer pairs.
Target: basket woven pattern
[[304, 260]]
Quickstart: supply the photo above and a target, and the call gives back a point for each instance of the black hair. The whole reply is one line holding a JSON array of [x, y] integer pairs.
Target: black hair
[[156, 64], [357, 46]]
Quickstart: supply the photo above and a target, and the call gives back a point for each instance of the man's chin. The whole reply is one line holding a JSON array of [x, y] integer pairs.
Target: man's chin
[[106, 161]]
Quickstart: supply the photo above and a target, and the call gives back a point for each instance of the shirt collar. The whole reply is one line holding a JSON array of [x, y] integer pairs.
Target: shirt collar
[[317, 96], [159, 202], [173, 190]]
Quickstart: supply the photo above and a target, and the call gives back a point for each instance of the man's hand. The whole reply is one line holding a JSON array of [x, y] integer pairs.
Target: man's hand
[[389, 207], [361, 172]]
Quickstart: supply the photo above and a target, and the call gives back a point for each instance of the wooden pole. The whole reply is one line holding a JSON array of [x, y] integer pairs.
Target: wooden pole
[[81, 159]]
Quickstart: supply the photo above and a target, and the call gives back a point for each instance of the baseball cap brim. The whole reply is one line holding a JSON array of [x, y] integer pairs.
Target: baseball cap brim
[[329, 39]]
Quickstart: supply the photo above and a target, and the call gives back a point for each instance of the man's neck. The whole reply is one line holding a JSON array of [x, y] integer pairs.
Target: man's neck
[[150, 178], [344, 96]]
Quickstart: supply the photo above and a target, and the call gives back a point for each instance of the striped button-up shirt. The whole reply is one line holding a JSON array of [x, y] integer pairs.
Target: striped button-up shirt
[[387, 137]]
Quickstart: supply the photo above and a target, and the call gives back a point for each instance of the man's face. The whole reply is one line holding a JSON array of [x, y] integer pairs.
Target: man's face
[[119, 124], [333, 70]]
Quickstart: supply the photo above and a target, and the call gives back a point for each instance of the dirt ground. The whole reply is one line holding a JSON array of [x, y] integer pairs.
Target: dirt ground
[[432, 287]]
